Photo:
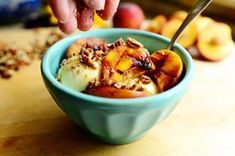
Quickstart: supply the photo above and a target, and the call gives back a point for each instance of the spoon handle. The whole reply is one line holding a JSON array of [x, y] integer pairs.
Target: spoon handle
[[193, 13]]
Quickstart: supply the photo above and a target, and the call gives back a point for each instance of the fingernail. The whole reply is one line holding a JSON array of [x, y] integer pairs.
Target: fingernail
[[95, 4], [99, 4], [63, 21]]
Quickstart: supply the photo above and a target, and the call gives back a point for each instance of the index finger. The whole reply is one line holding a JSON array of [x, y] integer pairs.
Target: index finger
[[60, 9], [109, 9]]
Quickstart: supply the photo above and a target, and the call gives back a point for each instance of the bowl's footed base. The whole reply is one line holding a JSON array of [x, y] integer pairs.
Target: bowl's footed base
[[118, 141]]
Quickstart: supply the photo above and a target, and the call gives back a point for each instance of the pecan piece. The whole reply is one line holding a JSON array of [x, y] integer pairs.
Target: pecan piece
[[132, 43], [145, 79]]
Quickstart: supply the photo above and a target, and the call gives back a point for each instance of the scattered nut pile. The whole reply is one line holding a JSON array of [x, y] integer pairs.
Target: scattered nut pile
[[13, 58]]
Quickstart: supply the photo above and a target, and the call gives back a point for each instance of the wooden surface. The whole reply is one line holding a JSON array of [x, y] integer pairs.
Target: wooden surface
[[31, 124]]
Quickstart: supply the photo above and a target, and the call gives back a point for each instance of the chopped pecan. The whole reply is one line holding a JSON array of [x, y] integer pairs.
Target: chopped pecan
[[105, 82], [145, 79], [93, 83], [133, 43], [86, 56], [119, 42], [120, 85]]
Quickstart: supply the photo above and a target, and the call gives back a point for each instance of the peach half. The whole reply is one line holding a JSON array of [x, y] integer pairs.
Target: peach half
[[215, 41], [156, 24], [187, 38]]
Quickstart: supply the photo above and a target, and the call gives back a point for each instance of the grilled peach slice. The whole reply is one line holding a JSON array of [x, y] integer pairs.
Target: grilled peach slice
[[110, 61], [122, 72], [112, 92], [187, 38], [125, 59], [168, 70], [215, 42], [157, 23]]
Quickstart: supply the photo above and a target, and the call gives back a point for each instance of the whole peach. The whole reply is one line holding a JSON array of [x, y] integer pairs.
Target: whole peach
[[128, 15]]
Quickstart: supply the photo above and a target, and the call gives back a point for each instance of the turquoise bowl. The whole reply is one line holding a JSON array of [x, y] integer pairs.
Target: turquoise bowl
[[114, 121]]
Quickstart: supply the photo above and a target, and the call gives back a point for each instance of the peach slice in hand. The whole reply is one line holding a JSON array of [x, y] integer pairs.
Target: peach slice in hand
[[168, 70], [187, 38], [215, 41]]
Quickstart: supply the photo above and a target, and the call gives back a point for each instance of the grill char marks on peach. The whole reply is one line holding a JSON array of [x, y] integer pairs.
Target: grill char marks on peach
[[124, 59], [122, 69], [168, 68]]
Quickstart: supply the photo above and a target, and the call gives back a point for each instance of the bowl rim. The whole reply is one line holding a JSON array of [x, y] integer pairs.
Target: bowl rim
[[46, 74]]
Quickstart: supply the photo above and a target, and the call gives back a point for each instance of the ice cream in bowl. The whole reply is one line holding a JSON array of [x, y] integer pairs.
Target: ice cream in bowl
[[116, 83]]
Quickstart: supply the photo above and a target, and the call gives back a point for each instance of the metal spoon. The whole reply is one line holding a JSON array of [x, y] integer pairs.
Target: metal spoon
[[193, 13]]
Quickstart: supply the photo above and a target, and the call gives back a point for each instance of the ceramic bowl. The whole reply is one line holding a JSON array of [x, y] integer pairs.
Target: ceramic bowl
[[115, 121]]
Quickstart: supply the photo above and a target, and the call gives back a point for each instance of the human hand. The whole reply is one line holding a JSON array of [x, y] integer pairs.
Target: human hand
[[73, 14]]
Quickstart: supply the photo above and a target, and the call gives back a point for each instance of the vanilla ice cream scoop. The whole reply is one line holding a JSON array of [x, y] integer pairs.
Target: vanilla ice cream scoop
[[77, 75]]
